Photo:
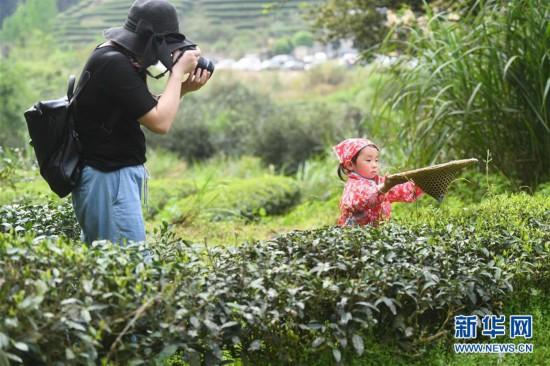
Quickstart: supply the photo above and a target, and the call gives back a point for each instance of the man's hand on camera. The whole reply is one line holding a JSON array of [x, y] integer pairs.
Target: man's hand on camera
[[187, 63], [195, 81]]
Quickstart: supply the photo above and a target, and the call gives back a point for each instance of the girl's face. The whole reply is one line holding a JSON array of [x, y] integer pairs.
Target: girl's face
[[367, 162]]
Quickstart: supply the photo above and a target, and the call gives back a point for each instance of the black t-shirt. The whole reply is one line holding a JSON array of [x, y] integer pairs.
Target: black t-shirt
[[108, 108]]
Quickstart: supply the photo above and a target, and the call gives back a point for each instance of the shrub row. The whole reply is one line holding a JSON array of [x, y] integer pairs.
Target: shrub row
[[50, 219], [280, 301], [161, 191], [242, 198]]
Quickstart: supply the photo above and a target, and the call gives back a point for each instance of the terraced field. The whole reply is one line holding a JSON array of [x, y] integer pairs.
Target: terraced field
[[84, 23]]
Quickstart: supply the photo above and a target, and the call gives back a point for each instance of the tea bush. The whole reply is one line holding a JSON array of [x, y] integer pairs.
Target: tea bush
[[161, 191], [246, 198], [283, 301], [52, 218]]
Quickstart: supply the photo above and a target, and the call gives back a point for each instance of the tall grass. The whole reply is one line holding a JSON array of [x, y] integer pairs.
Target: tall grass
[[481, 84]]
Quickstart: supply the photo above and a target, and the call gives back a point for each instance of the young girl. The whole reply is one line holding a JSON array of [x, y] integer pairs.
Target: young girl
[[367, 197]]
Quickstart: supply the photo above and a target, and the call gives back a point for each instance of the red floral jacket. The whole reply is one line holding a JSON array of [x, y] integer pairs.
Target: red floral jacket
[[363, 204]]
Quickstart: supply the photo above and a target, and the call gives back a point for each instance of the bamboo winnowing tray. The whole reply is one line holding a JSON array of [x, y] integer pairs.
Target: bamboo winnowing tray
[[434, 180]]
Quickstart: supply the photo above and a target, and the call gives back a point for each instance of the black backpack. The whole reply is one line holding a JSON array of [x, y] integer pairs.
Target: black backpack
[[54, 139]]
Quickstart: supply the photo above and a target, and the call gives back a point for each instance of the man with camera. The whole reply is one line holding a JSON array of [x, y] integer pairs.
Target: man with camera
[[113, 104]]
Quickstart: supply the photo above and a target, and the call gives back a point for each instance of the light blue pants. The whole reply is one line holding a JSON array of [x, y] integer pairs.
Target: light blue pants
[[107, 205]]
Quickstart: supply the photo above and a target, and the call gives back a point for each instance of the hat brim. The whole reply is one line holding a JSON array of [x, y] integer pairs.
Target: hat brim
[[182, 44], [133, 42], [129, 40]]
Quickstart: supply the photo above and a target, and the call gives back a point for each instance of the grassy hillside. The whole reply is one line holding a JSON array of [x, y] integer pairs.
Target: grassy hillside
[[206, 21]]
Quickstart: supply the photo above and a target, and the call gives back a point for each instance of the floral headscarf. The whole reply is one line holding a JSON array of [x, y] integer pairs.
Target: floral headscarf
[[347, 149]]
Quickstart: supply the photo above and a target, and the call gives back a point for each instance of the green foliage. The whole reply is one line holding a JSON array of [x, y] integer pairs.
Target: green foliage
[[302, 38], [473, 186], [368, 22], [161, 191], [481, 85], [295, 134], [7, 169], [318, 180], [282, 46], [52, 218], [365, 22], [222, 168], [543, 189], [216, 122], [340, 19], [12, 88], [30, 15], [191, 141], [19, 178], [32, 189], [248, 199], [35, 71], [163, 163], [294, 299], [235, 120]]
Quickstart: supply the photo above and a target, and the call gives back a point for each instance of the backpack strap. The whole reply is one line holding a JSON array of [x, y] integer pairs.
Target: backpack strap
[[84, 78], [70, 88]]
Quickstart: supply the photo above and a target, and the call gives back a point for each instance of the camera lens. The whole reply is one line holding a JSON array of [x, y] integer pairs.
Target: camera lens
[[205, 64]]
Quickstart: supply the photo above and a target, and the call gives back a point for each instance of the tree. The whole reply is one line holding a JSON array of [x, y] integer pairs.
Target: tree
[[367, 22], [30, 15], [282, 46], [302, 38], [11, 108]]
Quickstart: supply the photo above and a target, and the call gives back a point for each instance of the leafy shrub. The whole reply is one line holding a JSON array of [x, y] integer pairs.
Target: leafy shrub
[[302, 38], [7, 169], [52, 218], [543, 190], [192, 141], [15, 167], [247, 198], [218, 121], [161, 191], [235, 120], [282, 301], [295, 134], [282, 46]]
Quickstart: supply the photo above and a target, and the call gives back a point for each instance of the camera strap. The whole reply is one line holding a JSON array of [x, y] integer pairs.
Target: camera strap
[[165, 71]]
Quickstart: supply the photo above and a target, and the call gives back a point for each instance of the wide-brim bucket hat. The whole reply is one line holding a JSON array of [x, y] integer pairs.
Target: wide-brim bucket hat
[[151, 31]]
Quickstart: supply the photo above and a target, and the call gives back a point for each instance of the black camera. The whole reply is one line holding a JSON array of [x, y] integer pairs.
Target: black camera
[[203, 62]]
